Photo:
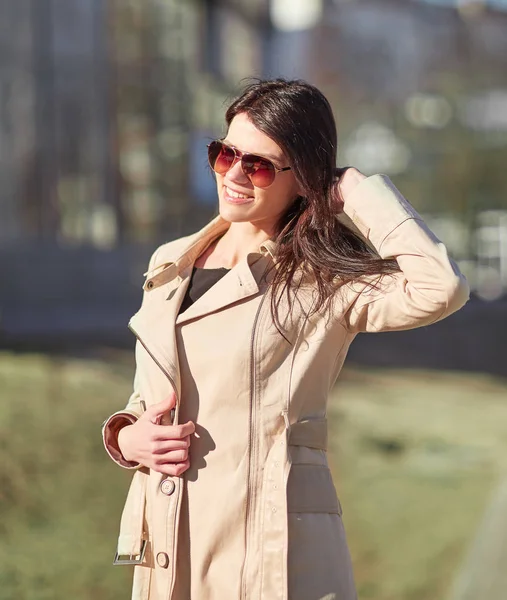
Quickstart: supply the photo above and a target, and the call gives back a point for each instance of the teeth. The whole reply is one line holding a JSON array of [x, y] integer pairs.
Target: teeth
[[235, 194]]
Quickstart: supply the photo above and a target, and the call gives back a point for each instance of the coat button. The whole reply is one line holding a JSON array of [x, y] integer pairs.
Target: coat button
[[167, 487], [162, 560]]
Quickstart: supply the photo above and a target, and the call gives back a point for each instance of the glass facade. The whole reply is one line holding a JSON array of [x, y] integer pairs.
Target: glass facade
[[105, 110]]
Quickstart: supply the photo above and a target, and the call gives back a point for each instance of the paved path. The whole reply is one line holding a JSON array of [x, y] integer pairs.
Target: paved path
[[483, 575]]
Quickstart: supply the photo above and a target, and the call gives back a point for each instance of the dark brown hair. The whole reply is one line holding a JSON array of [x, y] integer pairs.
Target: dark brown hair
[[298, 117]]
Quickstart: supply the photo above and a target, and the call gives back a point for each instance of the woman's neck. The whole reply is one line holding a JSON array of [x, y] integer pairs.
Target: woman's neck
[[232, 247]]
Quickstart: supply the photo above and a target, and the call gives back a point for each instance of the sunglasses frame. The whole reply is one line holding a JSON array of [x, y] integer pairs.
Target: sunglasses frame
[[239, 155]]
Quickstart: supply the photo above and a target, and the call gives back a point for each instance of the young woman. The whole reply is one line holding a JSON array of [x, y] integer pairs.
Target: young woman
[[242, 332]]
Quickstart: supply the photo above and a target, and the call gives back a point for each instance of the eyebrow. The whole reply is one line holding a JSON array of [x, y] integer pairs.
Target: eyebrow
[[275, 159]]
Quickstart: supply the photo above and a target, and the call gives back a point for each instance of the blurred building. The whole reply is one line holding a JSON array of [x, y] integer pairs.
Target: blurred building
[[106, 107], [54, 119], [420, 93]]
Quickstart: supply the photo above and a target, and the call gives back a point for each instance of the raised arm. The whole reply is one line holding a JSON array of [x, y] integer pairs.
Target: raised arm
[[429, 286]]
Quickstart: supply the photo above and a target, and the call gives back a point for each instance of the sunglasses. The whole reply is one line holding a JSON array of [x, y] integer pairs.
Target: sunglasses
[[259, 170]]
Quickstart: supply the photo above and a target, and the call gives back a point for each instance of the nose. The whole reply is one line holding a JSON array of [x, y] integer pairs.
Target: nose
[[235, 174]]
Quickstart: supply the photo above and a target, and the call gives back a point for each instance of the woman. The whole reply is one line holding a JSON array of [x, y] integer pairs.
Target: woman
[[242, 332]]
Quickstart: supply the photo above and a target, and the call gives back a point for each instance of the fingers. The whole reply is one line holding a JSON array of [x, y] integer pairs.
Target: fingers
[[340, 171], [172, 456], [165, 446], [155, 411], [175, 470], [338, 197], [174, 432]]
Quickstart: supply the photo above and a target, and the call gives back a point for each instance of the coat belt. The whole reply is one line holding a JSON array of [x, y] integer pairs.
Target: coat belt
[[311, 433]]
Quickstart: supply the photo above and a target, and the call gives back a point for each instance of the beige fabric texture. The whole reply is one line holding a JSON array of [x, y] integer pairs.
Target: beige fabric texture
[[256, 516]]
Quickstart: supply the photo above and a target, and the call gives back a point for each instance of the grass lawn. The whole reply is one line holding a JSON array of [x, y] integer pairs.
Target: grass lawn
[[415, 456]]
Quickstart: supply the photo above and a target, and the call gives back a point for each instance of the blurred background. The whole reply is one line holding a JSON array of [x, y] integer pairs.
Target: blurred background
[[106, 107]]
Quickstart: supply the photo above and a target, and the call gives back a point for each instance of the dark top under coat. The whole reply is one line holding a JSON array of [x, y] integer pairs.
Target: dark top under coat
[[201, 281]]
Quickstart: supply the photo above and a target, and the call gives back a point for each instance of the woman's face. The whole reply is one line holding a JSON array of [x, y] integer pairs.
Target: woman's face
[[262, 207]]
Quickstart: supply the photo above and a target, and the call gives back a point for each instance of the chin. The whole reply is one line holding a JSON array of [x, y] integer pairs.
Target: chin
[[234, 214]]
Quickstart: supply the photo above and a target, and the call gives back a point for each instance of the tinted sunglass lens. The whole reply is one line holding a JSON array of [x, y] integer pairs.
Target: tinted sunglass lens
[[260, 171], [220, 157], [213, 152]]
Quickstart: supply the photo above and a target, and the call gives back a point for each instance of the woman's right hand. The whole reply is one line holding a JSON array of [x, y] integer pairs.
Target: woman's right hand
[[162, 448], [346, 179]]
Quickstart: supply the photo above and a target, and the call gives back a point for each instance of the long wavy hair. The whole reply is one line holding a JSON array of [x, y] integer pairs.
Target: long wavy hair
[[298, 117]]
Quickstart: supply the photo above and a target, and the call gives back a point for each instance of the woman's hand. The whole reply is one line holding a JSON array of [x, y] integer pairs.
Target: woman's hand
[[163, 448], [346, 179]]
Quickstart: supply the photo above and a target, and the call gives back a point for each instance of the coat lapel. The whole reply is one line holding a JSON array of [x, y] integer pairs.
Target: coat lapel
[[153, 326], [243, 281], [165, 287]]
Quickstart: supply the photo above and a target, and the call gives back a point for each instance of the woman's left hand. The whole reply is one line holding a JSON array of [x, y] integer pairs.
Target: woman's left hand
[[346, 179]]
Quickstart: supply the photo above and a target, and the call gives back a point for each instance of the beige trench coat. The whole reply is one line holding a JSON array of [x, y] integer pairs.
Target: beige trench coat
[[256, 516]]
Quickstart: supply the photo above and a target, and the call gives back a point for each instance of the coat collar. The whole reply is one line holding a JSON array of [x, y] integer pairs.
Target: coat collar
[[170, 264]]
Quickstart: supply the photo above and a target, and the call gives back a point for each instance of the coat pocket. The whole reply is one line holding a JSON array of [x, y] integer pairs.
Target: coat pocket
[[310, 489]]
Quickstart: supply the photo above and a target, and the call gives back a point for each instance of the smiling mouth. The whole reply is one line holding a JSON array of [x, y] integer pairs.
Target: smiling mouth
[[236, 197]]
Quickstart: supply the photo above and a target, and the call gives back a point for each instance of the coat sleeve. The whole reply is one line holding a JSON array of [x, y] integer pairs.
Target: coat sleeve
[[429, 286], [128, 416]]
